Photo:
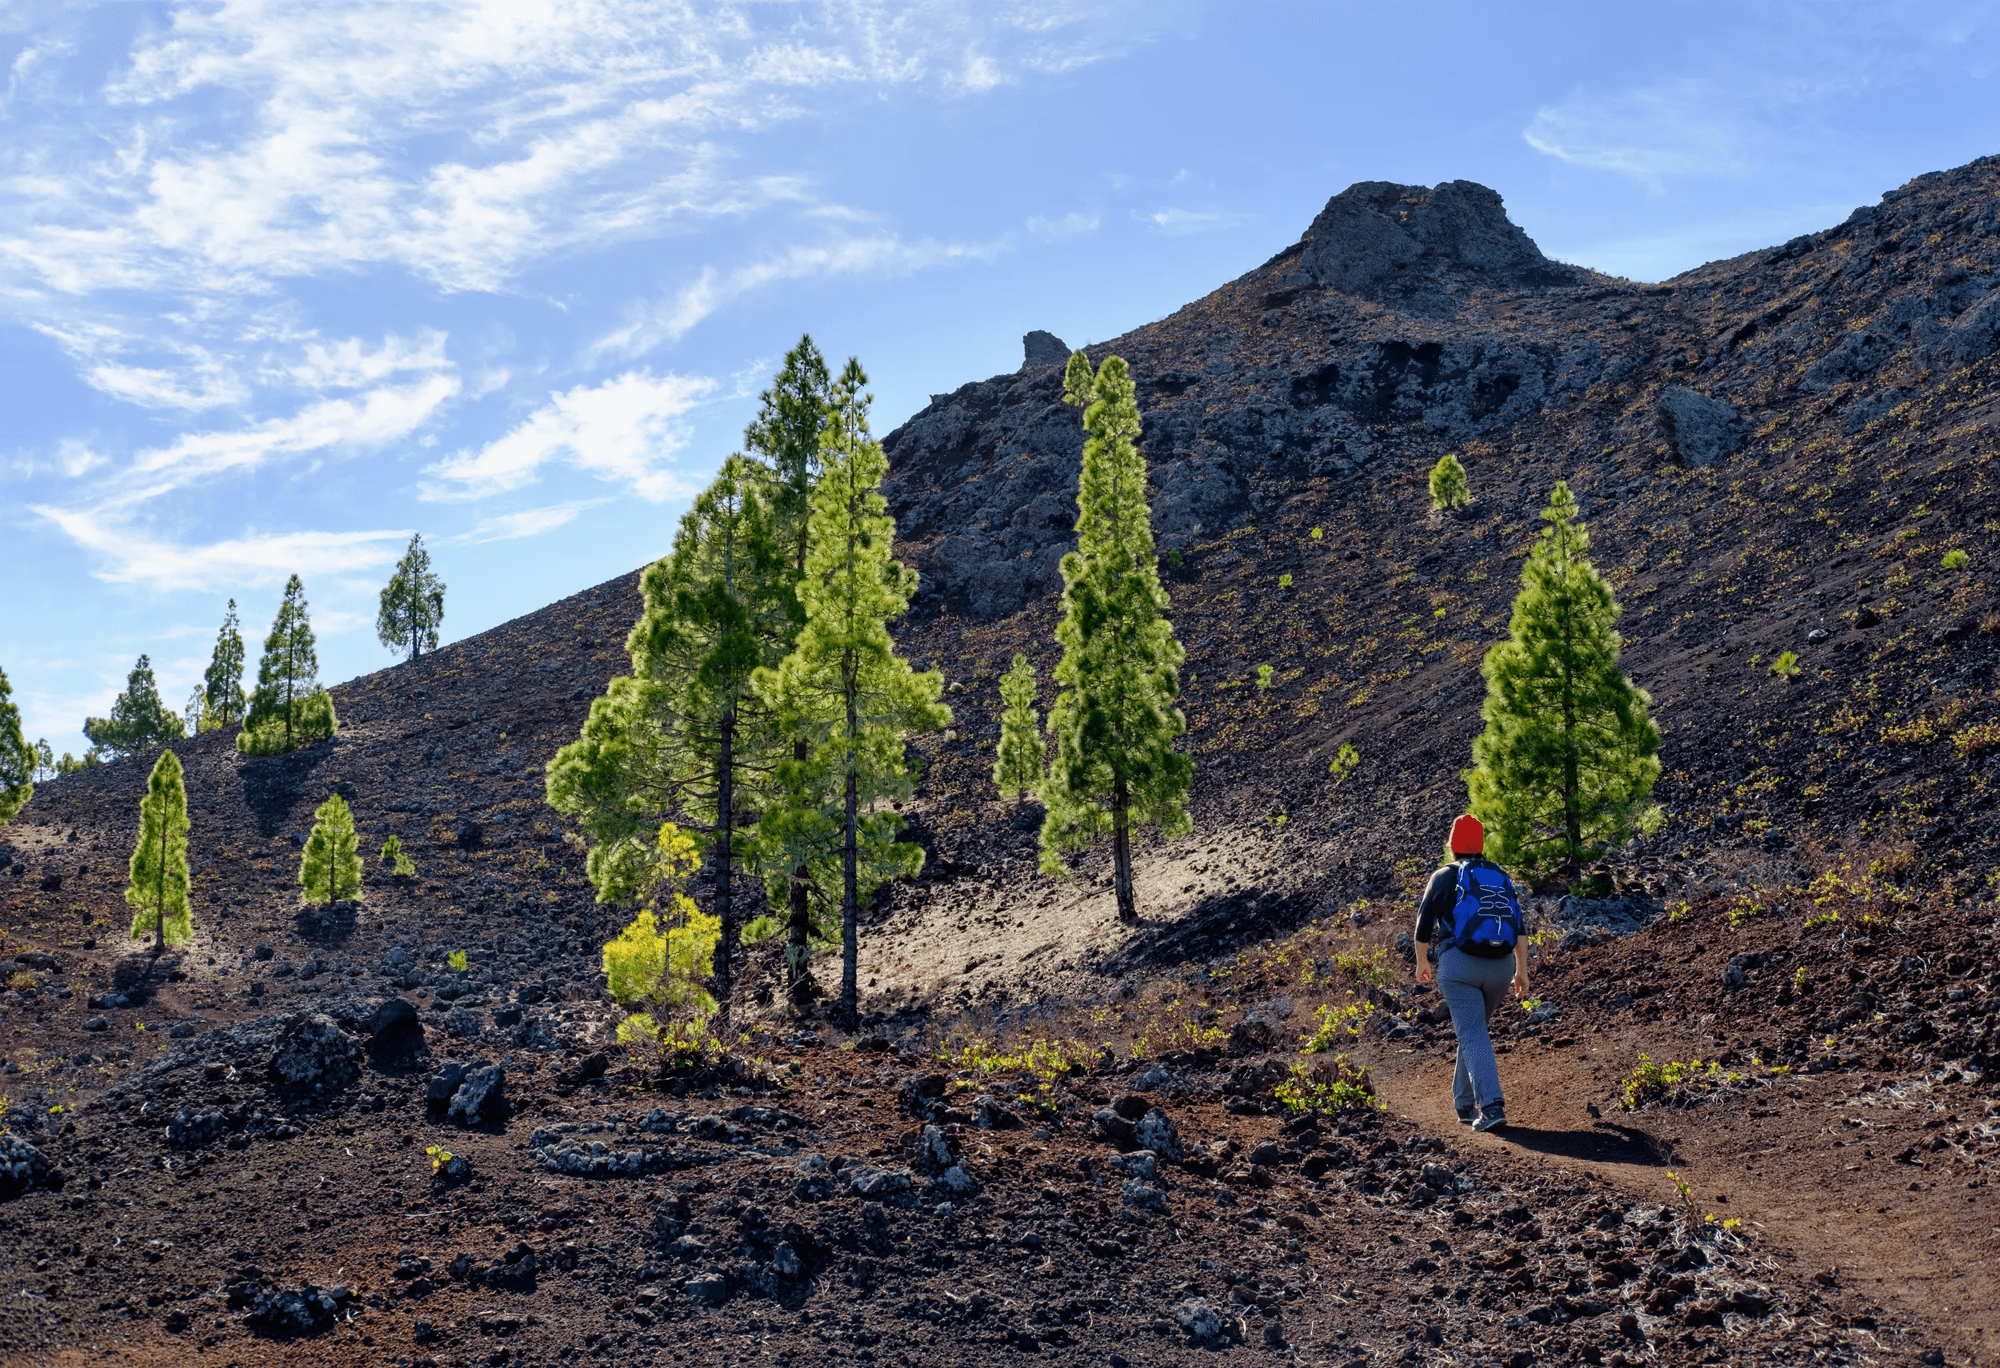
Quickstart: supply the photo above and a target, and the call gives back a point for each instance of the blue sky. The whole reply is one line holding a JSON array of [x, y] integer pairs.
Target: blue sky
[[281, 283]]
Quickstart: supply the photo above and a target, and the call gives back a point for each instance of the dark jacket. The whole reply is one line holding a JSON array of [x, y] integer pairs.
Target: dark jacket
[[1440, 896]]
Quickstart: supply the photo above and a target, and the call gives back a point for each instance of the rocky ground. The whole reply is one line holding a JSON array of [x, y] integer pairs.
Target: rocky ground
[[222, 1155]]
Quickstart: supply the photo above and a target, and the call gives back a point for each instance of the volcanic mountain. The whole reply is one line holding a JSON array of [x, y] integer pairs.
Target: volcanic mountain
[[221, 1155]]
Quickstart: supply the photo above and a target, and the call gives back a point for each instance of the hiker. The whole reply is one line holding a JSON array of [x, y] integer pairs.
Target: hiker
[[1472, 919]]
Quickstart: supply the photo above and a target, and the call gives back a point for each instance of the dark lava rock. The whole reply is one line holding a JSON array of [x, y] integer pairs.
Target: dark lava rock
[[192, 1126], [302, 1310], [481, 1098], [709, 1289], [444, 1085], [22, 1166], [313, 1051], [1700, 429], [1380, 240], [1041, 349], [394, 1032]]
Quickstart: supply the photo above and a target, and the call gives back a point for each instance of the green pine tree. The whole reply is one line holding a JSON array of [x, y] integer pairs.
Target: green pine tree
[[412, 605], [19, 762], [786, 435], [1115, 719], [288, 709], [222, 684], [139, 721], [844, 687], [330, 869], [684, 733], [45, 759], [1564, 770], [1448, 487], [393, 856], [1018, 765], [158, 891]]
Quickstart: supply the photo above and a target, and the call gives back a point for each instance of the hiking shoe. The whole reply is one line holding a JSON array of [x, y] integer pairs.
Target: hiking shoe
[[1468, 1116], [1493, 1118]]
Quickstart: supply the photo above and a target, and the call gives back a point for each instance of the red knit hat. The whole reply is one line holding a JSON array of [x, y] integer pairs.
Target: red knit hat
[[1468, 837]]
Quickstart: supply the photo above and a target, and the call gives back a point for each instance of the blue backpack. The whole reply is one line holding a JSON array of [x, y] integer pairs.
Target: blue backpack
[[1486, 921]]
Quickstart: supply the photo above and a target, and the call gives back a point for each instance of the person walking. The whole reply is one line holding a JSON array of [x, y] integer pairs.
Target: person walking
[[1471, 918]]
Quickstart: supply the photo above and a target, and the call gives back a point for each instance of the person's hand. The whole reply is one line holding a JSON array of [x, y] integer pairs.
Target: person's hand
[[1424, 971], [1520, 984]]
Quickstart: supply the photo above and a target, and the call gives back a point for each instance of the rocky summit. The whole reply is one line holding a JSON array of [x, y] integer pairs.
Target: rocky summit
[[1753, 1113]]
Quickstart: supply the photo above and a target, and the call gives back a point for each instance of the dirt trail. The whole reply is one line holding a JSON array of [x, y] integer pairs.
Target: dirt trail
[[1810, 1165]]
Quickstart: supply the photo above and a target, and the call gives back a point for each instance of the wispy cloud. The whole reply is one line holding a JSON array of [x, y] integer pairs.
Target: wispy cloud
[[881, 255], [130, 556], [1069, 225], [1180, 222], [530, 522], [379, 415], [624, 430], [1686, 127]]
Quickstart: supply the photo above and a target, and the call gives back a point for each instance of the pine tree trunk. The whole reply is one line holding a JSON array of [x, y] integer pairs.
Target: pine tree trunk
[[799, 985], [160, 905], [1572, 819], [850, 911], [1121, 852], [725, 912]]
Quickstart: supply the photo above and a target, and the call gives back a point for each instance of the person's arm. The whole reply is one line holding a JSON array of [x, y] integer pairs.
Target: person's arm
[[1520, 966], [1428, 911]]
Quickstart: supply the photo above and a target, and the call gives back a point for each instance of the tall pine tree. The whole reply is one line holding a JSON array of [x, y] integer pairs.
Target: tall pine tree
[[1564, 770], [844, 687], [1017, 767], [139, 720], [19, 762], [330, 867], [412, 605], [288, 709], [1115, 721], [684, 733], [222, 684], [786, 434], [157, 891]]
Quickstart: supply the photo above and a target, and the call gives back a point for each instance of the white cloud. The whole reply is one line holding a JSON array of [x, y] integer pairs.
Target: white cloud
[[131, 556], [530, 522], [380, 415], [349, 364], [1180, 222], [1676, 129], [882, 255], [1069, 225], [624, 430]]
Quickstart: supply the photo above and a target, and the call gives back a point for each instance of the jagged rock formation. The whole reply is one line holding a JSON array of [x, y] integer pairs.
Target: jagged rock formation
[[1407, 322]]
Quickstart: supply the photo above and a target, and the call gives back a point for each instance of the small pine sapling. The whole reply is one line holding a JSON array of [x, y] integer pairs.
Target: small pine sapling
[[1018, 767], [393, 856], [1285, 581], [1344, 761], [457, 960], [1786, 665], [1956, 559], [663, 959], [1264, 674], [1448, 485], [157, 891], [330, 869]]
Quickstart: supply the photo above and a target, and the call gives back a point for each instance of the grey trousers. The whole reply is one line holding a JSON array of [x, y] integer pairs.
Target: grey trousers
[[1472, 988]]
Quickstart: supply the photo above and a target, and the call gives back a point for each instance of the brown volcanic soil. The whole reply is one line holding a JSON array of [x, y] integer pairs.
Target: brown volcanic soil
[[1377, 1240]]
